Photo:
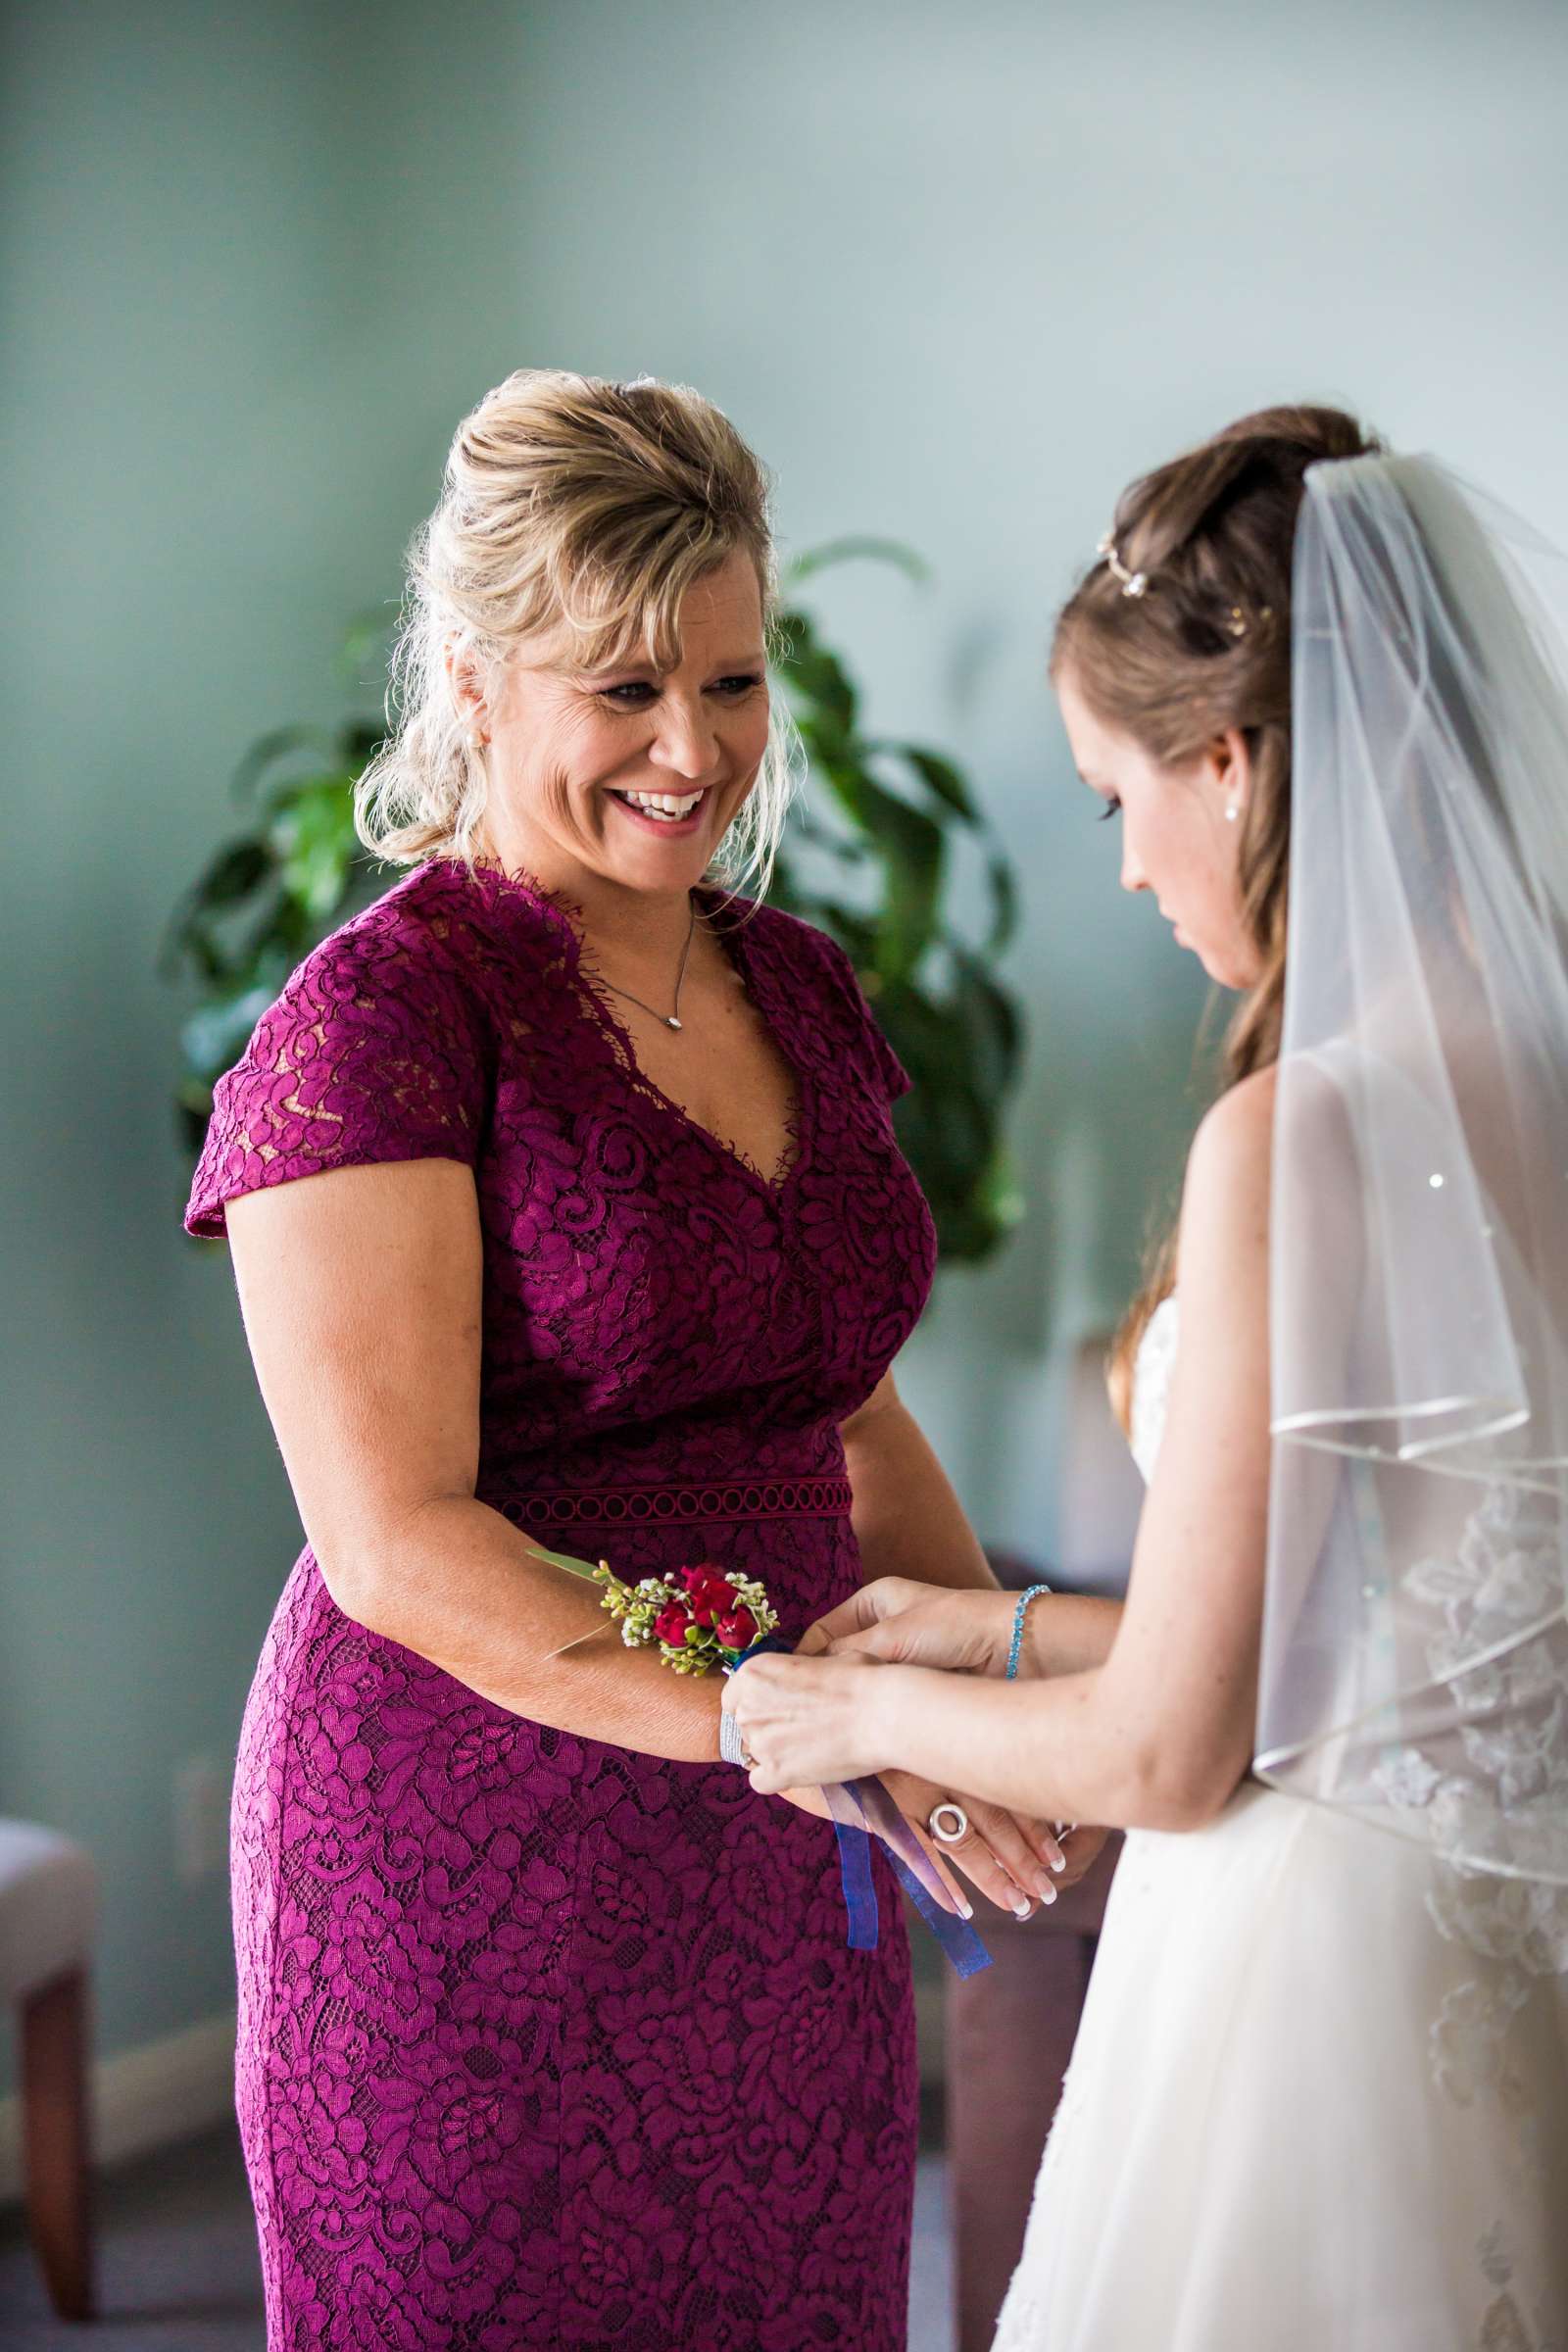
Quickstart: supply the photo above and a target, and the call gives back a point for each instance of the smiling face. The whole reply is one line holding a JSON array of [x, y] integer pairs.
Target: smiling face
[[630, 774], [1178, 842]]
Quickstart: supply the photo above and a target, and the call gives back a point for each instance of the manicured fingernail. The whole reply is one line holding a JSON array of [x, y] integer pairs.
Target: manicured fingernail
[[1021, 1904], [965, 1908], [1048, 1891]]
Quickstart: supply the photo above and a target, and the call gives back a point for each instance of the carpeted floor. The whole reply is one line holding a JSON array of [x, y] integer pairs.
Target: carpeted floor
[[177, 2262]]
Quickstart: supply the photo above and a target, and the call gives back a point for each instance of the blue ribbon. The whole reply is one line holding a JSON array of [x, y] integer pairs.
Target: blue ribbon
[[861, 1809], [859, 1888]]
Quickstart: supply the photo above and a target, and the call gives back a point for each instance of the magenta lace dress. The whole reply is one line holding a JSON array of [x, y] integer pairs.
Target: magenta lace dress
[[543, 2042]]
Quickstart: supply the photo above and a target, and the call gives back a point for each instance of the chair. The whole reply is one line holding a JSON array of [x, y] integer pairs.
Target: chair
[[1011, 2030], [48, 1908]]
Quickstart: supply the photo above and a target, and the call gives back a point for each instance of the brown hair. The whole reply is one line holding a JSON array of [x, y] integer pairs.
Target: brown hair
[[1200, 644]]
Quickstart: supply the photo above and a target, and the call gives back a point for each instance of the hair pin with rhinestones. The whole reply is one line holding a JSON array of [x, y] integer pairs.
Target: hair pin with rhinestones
[[1133, 583], [1239, 624]]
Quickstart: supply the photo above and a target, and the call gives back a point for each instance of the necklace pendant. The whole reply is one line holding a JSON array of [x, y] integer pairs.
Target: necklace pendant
[[671, 1022]]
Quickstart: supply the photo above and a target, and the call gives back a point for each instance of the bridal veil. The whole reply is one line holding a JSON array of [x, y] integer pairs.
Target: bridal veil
[[1415, 1661]]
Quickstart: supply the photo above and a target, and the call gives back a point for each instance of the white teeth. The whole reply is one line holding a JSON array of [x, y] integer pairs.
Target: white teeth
[[665, 804]]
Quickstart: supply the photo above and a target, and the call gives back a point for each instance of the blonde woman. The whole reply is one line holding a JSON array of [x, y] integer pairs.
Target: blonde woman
[[1320, 2093], [565, 1210]]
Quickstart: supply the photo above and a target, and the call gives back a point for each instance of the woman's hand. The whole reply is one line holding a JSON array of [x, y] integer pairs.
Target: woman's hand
[[1083, 1848], [905, 1623], [809, 1720], [953, 1897], [806, 1720], [1017, 1864]]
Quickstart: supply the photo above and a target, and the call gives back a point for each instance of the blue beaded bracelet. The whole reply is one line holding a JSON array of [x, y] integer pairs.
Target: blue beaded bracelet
[[1019, 1614]]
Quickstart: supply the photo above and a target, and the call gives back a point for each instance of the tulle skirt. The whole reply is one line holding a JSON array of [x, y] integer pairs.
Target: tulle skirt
[[1301, 2116]]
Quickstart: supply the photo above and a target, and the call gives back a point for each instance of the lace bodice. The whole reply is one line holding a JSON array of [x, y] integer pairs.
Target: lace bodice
[[655, 1306], [1156, 1360]]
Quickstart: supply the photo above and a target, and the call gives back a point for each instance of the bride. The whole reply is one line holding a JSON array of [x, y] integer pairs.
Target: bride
[[1319, 2101]]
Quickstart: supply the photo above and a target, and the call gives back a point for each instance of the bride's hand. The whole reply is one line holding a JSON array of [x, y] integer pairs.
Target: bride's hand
[[906, 1623], [809, 1720], [806, 1720]]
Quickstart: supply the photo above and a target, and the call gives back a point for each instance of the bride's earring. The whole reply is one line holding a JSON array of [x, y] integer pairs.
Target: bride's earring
[[1232, 809]]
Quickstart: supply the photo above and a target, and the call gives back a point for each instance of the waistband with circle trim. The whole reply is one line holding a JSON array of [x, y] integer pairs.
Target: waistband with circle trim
[[684, 1505]]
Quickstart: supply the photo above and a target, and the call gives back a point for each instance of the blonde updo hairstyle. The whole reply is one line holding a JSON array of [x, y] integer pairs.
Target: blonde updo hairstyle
[[566, 499], [1203, 644]]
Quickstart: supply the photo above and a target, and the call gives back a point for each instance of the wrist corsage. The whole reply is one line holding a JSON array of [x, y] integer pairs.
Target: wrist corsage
[[696, 1618], [702, 1617]]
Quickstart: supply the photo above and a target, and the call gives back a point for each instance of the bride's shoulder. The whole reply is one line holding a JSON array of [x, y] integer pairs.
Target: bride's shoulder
[[1225, 1196], [1235, 1137]]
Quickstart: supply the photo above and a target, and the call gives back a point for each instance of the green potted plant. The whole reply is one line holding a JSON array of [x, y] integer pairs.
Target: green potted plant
[[869, 855]]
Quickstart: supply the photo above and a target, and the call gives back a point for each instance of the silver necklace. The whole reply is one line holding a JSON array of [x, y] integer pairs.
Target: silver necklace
[[671, 1020]]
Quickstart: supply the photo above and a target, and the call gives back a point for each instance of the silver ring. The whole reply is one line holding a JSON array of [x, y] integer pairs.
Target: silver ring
[[950, 1836], [732, 1744]]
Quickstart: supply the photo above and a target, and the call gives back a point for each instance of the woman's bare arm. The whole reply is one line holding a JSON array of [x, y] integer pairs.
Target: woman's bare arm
[[1162, 1733], [967, 1632], [908, 1520], [361, 1291]]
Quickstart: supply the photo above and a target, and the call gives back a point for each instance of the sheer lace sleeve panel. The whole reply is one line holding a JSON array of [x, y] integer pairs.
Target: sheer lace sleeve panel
[[373, 1051], [891, 1075]]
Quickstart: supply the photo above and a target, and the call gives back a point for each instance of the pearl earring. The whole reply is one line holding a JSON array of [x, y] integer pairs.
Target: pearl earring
[[1231, 812]]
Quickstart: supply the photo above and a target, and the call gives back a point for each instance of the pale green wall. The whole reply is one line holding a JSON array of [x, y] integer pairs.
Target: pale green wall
[[957, 272]]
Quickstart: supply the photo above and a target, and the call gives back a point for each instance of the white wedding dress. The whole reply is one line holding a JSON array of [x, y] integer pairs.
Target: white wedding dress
[[1319, 2098]]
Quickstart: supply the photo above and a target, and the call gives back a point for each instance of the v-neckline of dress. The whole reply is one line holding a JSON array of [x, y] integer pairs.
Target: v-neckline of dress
[[588, 987]]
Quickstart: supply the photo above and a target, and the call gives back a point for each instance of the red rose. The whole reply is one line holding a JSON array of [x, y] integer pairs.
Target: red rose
[[737, 1631], [670, 1624], [710, 1594]]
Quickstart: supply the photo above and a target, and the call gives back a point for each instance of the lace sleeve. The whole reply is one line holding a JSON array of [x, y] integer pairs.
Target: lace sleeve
[[891, 1076], [372, 1053]]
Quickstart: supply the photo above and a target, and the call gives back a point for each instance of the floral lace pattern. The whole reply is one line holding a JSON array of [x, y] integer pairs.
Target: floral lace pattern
[[1503, 2325], [545, 2042], [1499, 1601], [1498, 1795]]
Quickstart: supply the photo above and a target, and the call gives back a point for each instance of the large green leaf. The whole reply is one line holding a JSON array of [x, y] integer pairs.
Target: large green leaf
[[215, 1035], [281, 743], [989, 1020], [848, 551], [913, 851], [1004, 903], [318, 844], [816, 680], [232, 877], [944, 779]]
